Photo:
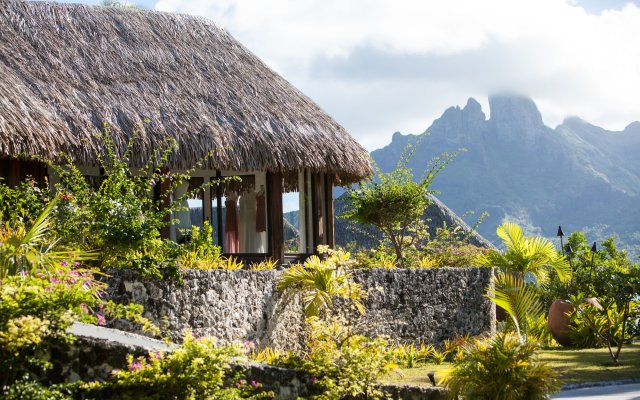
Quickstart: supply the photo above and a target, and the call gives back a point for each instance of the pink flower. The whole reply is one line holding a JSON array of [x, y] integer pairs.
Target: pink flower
[[249, 345], [63, 263], [255, 384], [101, 320], [135, 366]]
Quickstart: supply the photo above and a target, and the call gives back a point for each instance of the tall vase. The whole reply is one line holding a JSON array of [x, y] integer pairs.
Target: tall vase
[[559, 321]]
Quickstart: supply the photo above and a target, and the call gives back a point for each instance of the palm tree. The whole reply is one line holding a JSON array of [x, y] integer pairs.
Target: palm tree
[[526, 256], [523, 258], [320, 282], [28, 250], [519, 300]]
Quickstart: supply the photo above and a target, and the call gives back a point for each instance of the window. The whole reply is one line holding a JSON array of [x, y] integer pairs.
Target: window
[[192, 210], [297, 206], [238, 213]]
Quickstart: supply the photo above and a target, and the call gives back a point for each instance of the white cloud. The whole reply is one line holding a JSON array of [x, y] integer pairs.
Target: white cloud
[[378, 66]]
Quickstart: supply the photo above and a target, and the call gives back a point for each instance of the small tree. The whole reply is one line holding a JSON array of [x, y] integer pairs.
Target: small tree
[[614, 280], [394, 203], [523, 257]]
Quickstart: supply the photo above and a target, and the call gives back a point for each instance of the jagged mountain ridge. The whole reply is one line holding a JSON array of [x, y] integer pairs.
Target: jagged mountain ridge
[[577, 175]]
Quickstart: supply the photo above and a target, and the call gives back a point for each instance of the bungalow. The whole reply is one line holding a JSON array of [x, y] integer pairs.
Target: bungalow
[[66, 69]]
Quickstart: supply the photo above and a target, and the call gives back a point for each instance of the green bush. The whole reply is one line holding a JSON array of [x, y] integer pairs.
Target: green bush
[[321, 281], [341, 363], [26, 389], [21, 205], [394, 203], [37, 309], [42, 294], [500, 368], [450, 248], [609, 276], [199, 369]]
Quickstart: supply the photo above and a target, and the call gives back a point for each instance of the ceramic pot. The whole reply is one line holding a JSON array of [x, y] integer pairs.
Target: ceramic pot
[[559, 321]]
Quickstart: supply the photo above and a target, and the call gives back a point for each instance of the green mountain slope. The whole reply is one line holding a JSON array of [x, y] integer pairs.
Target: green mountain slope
[[577, 175]]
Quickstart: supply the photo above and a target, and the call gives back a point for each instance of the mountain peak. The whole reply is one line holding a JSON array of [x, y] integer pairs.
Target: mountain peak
[[513, 113], [633, 127], [472, 104]]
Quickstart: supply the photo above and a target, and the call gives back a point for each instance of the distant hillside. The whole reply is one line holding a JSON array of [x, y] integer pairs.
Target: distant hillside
[[577, 175]]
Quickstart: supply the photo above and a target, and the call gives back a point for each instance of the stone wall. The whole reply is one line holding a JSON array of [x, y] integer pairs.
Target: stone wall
[[229, 305], [409, 305], [427, 304]]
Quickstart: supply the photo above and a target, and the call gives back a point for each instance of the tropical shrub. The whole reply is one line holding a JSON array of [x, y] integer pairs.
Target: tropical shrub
[[526, 257], [199, 369], [37, 309], [450, 248], [199, 251], [42, 294], [263, 265], [373, 258], [500, 368], [320, 282], [619, 310], [122, 213], [610, 277], [411, 355], [28, 250], [26, 389], [341, 363], [21, 205], [519, 300], [533, 258], [394, 203]]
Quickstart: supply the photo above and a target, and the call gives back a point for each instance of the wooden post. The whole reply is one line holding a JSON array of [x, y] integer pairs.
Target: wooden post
[[274, 217], [316, 212], [329, 218]]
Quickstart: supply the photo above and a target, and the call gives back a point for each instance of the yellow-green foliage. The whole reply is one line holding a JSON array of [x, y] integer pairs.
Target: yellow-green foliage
[[344, 364], [411, 356], [37, 309], [526, 255], [263, 265], [32, 249], [23, 331], [500, 368], [199, 369], [320, 282], [449, 248], [268, 355]]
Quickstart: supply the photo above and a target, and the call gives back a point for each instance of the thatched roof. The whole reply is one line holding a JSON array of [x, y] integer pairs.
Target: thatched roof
[[64, 69]]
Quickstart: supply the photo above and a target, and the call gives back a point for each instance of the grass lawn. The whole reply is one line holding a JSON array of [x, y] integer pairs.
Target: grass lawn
[[573, 366]]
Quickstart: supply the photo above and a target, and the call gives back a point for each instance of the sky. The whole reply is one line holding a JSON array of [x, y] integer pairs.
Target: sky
[[380, 66]]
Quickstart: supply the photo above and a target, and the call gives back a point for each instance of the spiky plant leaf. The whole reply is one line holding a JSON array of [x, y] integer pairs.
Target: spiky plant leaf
[[534, 256], [518, 299]]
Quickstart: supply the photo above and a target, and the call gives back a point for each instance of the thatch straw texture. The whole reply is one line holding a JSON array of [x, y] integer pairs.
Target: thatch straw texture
[[64, 69]]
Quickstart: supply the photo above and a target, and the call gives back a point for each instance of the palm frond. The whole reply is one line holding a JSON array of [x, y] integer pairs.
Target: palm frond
[[512, 236], [40, 227], [319, 284], [518, 299]]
